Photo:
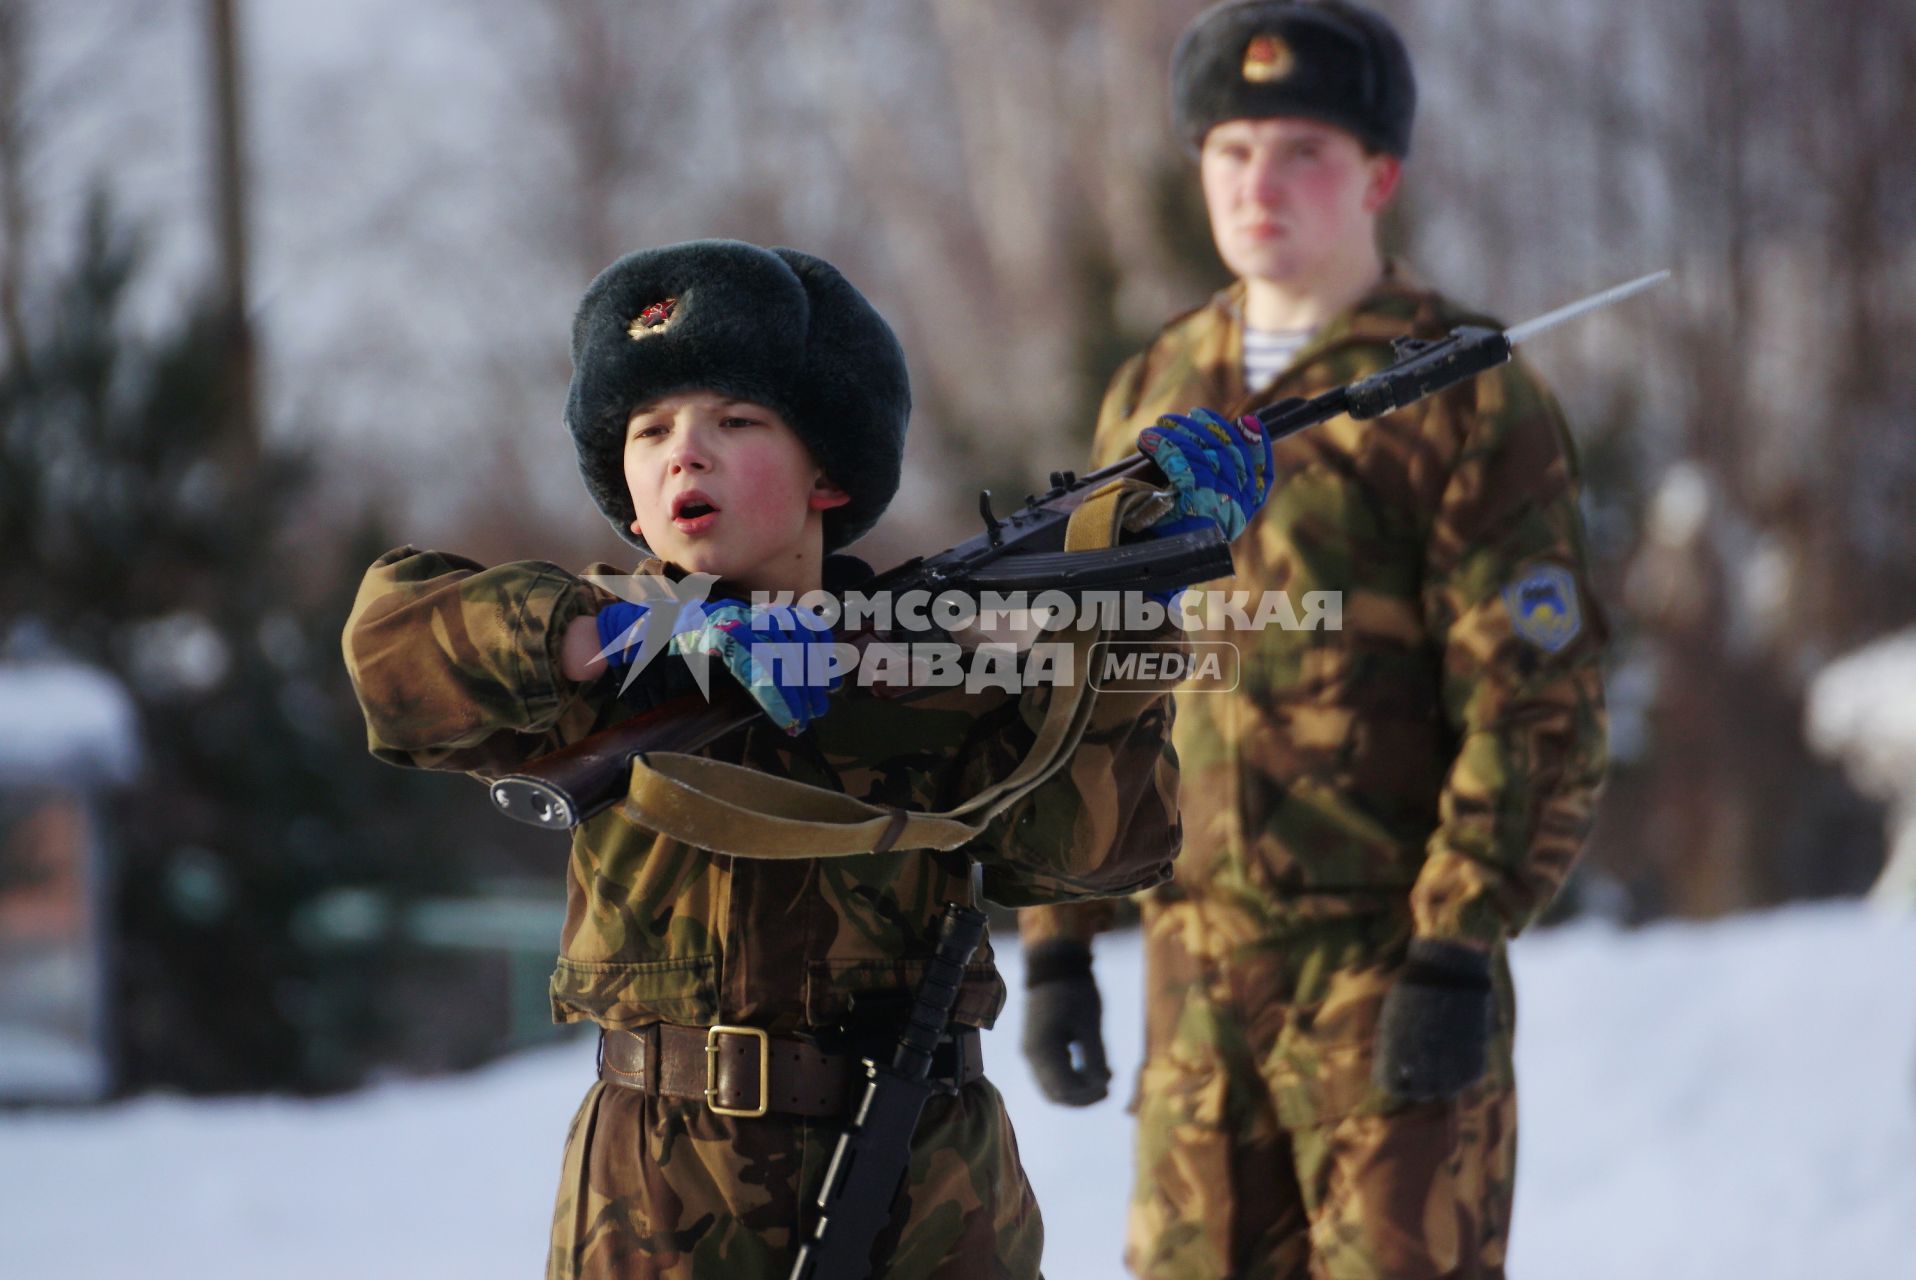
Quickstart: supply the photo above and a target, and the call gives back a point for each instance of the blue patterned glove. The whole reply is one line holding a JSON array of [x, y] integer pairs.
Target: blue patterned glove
[[769, 650], [1220, 471], [623, 627], [621, 632]]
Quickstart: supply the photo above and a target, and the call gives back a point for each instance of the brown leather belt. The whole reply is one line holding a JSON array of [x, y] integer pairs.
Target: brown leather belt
[[743, 1071]]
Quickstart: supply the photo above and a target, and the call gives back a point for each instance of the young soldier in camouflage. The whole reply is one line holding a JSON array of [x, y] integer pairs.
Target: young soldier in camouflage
[[1327, 1084], [741, 412]]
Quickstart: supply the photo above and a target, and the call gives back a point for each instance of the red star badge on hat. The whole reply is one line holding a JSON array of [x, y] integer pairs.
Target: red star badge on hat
[[653, 319], [1267, 58]]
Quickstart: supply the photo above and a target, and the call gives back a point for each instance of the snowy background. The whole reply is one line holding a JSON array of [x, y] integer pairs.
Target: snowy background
[[431, 190], [1733, 1100]]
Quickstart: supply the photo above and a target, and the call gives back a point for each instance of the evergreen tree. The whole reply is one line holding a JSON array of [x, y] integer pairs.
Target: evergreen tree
[[136, 546]]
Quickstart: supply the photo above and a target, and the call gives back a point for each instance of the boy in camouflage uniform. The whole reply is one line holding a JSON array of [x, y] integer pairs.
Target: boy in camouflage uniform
[[1327, 1085], [741, 412]]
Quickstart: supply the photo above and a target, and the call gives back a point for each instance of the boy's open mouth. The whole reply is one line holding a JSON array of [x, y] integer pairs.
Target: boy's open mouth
[[693, 511]]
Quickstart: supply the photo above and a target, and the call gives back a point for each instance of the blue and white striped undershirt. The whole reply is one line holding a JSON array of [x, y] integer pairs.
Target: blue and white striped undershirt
[[1267, 352]]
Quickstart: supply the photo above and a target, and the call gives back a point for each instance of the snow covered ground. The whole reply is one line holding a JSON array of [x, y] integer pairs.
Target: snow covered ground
[[1733, 1100]]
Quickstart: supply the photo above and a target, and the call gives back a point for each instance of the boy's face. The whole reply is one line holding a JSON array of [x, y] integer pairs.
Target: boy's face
[[724, 486], [1288, 195]]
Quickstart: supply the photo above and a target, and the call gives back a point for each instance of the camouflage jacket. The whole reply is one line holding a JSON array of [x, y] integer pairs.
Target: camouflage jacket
[[1446, 745], [456, 667]]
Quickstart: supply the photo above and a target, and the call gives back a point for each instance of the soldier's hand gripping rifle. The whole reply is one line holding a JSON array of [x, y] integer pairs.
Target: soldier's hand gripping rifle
[[1022, 552], [874, 1152]]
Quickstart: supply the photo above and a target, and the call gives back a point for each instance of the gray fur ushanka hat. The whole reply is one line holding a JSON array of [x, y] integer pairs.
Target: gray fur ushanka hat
[[1328, 60], [775, 326]]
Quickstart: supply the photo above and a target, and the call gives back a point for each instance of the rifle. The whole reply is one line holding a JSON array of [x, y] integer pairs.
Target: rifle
[[1024, 552], [874, 1152]]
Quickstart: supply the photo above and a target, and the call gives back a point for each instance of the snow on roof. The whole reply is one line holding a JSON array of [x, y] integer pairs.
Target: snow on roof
[[61, 719], [1862, 711]]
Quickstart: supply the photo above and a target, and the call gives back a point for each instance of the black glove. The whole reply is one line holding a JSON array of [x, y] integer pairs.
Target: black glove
[[1434, 1033], [1063, 1011]]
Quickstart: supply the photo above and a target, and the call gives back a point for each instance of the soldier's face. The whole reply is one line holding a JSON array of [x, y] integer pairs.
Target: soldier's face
[[724, 486], [1288, 196]]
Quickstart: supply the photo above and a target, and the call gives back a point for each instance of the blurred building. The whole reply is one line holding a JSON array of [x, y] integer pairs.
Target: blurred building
[[67, 736]]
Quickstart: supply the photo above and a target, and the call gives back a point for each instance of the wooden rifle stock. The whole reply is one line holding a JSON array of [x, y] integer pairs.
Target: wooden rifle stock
[[564, 788]]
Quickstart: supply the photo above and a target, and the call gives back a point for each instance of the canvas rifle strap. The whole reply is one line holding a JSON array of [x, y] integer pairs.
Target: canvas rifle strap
[[732, 809]]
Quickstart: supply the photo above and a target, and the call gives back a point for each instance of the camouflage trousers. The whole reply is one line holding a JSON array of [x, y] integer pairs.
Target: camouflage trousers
[[1263, 1149], [663, 1189]]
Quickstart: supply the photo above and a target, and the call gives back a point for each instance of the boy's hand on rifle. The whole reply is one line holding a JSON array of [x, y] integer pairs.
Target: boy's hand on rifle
[[611, 640], [1220, 470], [621, 632], [606, 641], [780, 653]]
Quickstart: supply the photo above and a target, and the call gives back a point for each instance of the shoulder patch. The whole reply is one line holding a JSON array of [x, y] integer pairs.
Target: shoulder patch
[[1543, 607]]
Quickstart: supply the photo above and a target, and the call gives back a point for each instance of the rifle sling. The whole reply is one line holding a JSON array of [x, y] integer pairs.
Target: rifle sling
[[732, 809]]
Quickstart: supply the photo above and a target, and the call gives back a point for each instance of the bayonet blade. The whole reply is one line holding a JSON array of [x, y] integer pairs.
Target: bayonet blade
[[1530, 328]]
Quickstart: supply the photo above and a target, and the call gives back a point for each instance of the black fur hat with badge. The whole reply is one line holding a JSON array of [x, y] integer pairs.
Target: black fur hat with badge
[[1328, 60], [775, 326]]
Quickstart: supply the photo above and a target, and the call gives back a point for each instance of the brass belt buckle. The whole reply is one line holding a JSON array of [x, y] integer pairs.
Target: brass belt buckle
[[712, 1035]]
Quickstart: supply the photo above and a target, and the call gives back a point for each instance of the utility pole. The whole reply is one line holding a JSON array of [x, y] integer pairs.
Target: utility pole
[[13, 201], [229, 192]]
